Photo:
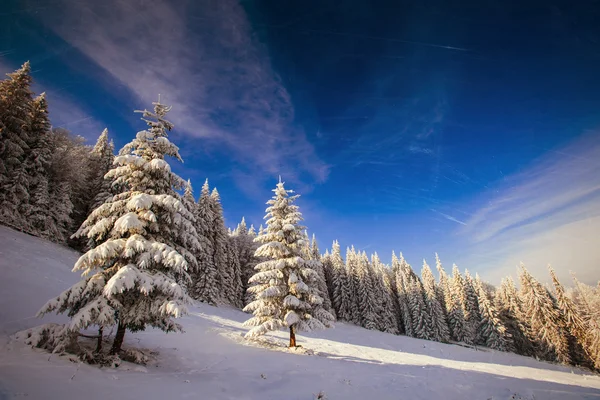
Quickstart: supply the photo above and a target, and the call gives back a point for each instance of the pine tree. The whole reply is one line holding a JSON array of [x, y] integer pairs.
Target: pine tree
[[402, 290], [421, 319], [440, 329], [366, 296], [341, 285], [581, 332], [237, 294], [443, 283], [328, 273], [225, 273], [471, 307], [204, 280], [465, 297], [544, 319], [15, 111], [454, 312], [141, 238], [37, 165], [284, 284], [492, 330], [315, 255], [244, 240], [101, 157], [354, 285], [510, 310], [387, 309]]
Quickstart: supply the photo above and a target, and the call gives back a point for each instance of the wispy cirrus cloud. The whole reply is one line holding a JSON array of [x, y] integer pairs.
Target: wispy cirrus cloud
[[547, 214], [207, 63]]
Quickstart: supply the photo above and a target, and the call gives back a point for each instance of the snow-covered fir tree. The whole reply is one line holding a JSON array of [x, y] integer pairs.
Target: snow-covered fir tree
[[352, 262], [15, 108], [38, 162], [454, 312], [583, 347], [142, 243], [98, 189], [342, 295], [465, 296], [402, 290], [284, 284], [315, 255], [313, 259], [422, 325], [365, 291], [510, 311], [101, 159], [470, 303], [225, 271], [440, 329], [544, 319], [204, 280], [246, 247], [387, 304], [491, 329]]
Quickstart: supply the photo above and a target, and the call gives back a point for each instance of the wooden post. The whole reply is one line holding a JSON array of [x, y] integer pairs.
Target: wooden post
[[292, 337], [118, 342]]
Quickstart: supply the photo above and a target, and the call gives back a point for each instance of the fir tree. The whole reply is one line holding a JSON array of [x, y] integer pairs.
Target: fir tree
[[510, 310], [354, 285], [492, 330], [454, 312], [387, 309], [366, 296], [471, 307], [15, 111], [438, 318], [581, 332], [465, 295], [421, 319], [140, 238], [101, 157], [244, 240], [204, 280], [315, 255], [284, 283], [37, 165], [341, 284], [225, 271], [402, 290], [544, 319]]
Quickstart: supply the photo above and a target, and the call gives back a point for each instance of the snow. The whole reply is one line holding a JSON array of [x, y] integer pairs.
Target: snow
[[212, 360]]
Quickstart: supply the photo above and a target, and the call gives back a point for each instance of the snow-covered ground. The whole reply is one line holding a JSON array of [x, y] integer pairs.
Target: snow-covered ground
[[211, 360]]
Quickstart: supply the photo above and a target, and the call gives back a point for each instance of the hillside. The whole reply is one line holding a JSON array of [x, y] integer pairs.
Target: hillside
[[211, 360]]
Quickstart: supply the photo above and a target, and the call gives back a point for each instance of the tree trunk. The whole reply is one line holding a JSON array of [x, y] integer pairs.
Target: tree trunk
[[99, 344], [118, 342], [292, 337]]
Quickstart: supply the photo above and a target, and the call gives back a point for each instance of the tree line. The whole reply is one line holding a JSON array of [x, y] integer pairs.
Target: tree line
[[150, 249]]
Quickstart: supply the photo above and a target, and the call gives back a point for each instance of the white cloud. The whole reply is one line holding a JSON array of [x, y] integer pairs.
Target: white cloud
[[210, 67], [548, 214]]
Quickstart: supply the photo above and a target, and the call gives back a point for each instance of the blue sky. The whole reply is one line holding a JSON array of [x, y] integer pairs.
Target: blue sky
[[470, 129]]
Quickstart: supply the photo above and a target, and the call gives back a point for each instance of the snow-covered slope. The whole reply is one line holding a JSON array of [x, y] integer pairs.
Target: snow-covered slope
[[212, 361]]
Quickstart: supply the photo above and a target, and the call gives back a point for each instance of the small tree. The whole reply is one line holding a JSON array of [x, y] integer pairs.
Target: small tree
[[284, 284]]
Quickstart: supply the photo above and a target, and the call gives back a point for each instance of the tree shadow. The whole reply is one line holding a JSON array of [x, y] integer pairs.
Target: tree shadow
[[355, 335]]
